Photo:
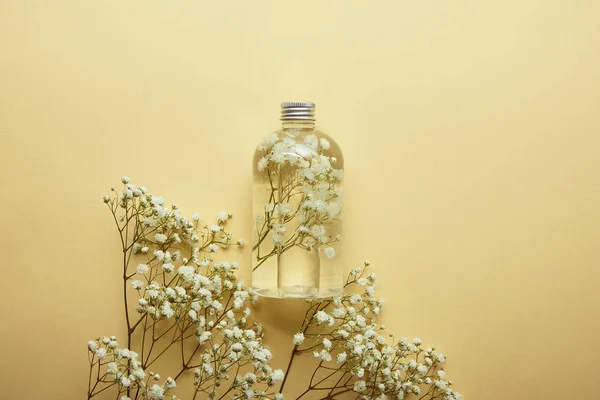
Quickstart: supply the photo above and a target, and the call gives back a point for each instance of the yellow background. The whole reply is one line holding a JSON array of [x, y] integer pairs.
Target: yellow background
[[471, 134]]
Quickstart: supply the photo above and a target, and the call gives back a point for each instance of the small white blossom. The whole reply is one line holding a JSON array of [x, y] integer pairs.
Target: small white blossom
[[329, 252], [157, 392], [299, 338], [262, 164], [160, 238], [137, 285], [101, 353], [277, 375], [111, 368], [142, 269], [93, 346], [311, 141], [360, 386], [223, 216]]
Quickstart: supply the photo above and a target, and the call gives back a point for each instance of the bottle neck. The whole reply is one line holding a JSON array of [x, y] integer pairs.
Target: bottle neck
[[298, 124]]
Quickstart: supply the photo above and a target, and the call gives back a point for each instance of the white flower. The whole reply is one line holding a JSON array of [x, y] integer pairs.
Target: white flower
[[213, 248], [139, 374], [417, 341], [299, 338], [340, 358], [285, 208], [112, 368], [325, 355], [441, 373], [160, 238], [170, 383], [332, 209], [142, 269], [137, 285], [279, 396], [278, 157], [311, 141], [309, 175], [422, 369], [277, 375], [157, 392], [223, 216], [262, 164], [168, 267], [271, 139], [195, 216], [440, 384], [215, 228], [101, 353], [329, 252], [360, 386], [327, 344], [321, 316], [106, 198], [93, 346], [441, 358], [187, 271], [125, 179], [125, 381], [325, 145], [277, 238]]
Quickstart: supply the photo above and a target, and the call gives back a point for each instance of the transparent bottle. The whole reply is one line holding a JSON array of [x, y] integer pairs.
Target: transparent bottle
[[297, 209]]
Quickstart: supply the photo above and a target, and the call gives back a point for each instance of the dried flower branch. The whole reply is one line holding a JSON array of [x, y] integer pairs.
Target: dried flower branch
[[192, 307]]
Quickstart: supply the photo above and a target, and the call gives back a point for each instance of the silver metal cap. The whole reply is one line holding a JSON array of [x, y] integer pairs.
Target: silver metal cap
[[303, 110]]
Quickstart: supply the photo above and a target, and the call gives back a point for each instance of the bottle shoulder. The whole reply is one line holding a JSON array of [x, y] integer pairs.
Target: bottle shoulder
[[325, 142]]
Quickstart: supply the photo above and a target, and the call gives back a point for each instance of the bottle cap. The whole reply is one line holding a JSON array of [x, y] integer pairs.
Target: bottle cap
[[303, 110]]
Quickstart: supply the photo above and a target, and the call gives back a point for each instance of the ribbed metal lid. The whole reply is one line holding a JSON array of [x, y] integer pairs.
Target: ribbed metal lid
[[303, 110]]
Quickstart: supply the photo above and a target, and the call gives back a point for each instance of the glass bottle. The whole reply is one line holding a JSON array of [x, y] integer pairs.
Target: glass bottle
[[297, 209]]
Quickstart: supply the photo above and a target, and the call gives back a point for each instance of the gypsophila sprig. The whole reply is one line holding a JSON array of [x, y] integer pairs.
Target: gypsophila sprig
[[354, 355], [304, 197], [189, 297]]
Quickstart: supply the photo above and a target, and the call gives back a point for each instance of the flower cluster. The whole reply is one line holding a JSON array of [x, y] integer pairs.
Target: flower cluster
[[122, 369], [304, 195], [182, 292], [346, 339]]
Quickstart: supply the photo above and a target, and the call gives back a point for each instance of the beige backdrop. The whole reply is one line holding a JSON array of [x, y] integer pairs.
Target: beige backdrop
[[471, 135]]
